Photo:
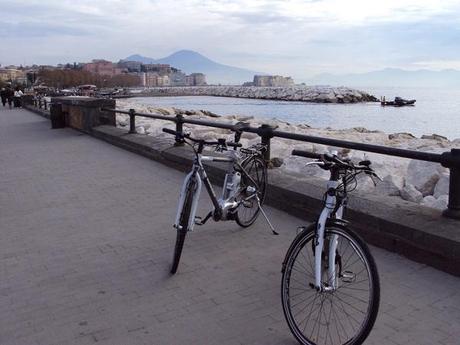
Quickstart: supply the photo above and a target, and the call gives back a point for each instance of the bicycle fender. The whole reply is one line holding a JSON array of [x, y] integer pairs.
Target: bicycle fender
[[180, 205]]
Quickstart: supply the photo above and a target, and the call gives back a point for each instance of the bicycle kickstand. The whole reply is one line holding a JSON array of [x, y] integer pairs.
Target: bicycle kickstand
[[265, 216]]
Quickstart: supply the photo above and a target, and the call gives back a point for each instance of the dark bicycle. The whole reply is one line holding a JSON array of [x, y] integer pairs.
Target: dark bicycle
[[243, 191]]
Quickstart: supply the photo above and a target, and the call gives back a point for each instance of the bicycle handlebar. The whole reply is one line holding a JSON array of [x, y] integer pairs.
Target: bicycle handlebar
[[221, 142], [306, 154], [331, 158]]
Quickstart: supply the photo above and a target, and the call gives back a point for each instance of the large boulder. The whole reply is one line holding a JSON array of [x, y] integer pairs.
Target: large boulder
[[428, 201], [123, 122], [391, 185], [410, 193], [441, 202], [434, 137], [140, 130], [276, 162], [402, 136], [442, 186], [438, 203], [423, 175]]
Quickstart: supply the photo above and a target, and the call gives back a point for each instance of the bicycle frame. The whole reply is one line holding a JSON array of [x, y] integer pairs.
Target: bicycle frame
[[199, 174]]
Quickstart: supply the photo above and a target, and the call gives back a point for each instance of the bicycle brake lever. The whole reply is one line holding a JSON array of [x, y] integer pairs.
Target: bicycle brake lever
[[318, 163]]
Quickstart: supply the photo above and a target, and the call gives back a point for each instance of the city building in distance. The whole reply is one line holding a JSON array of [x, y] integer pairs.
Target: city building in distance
[[270, 80], [102, 67], [12, 74], [109, 73]]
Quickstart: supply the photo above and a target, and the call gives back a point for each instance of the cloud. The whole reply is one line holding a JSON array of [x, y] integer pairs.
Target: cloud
[[258, 18], [31, 30], [295, 37]]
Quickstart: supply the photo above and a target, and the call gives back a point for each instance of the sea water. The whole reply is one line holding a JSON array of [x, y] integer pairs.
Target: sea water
[[436, 110]]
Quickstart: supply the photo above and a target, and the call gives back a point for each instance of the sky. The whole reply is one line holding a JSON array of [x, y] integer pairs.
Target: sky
[[289, 37]]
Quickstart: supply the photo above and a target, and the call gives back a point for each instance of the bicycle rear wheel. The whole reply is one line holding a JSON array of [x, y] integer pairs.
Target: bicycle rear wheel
[[345, 315], [183, 224], [247, 212]]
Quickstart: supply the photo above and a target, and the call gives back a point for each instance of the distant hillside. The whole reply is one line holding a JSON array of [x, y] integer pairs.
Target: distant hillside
[[392, 77], [140, 58], [189, 61]]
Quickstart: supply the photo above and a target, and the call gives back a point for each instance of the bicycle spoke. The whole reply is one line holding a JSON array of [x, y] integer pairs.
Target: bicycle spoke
[[331, 317]]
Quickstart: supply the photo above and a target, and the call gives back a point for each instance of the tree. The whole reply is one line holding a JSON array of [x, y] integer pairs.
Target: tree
[[70, 78]]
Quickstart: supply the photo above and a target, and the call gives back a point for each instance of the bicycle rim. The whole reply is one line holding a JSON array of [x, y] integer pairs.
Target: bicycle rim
[[344, 316]]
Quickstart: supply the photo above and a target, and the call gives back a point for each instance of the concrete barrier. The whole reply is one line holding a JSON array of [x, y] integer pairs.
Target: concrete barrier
[[84, 113]]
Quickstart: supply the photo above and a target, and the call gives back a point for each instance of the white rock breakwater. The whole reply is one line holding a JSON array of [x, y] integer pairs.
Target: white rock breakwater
[[415, 181], [316, 94]]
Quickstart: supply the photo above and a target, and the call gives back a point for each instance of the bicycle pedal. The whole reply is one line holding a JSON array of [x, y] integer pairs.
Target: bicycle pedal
[[202, 221], [247, 204]]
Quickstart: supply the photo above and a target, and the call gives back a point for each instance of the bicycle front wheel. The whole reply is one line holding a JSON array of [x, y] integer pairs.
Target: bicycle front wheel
[[252, 186], [183, 224], [344, 315]]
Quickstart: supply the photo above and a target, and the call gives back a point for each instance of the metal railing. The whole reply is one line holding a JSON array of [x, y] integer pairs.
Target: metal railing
[[449, 159], [40, 103]]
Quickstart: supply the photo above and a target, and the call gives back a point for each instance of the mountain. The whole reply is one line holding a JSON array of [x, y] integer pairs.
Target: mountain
[[393, 77], [189, 62], [139, 58]]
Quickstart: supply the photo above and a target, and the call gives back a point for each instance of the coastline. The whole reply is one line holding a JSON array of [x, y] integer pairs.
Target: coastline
[[419, 182]]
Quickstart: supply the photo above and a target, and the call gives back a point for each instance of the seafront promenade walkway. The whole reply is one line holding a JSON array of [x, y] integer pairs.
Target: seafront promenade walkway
[[86, 242]]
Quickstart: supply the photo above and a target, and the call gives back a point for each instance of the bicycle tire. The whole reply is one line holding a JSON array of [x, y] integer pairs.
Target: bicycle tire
[[301, 247], [256, 167], [183, 225]]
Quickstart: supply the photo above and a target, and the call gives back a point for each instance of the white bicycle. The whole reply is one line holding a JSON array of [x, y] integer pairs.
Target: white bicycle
[[330, 288]]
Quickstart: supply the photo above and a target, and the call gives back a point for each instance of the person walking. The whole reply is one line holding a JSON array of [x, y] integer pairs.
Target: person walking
[[17, 97], [9, 97], [3, 96]]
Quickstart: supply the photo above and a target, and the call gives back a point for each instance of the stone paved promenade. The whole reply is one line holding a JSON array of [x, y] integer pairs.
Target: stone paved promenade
[[86, 242]]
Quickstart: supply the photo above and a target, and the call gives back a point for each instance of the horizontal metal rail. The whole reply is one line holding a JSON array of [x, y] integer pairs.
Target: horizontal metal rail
[[390, 151], [449, 159]]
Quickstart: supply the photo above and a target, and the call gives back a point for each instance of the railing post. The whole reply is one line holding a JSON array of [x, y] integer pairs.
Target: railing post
[[453, 208], [266, 133], [179, 129], [132, 121]]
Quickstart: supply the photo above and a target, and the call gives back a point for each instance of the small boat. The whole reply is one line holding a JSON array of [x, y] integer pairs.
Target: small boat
[[398, 102]]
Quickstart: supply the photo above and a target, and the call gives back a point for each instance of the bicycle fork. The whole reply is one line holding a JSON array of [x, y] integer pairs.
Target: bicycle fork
[[332, 277], [196, 195]]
